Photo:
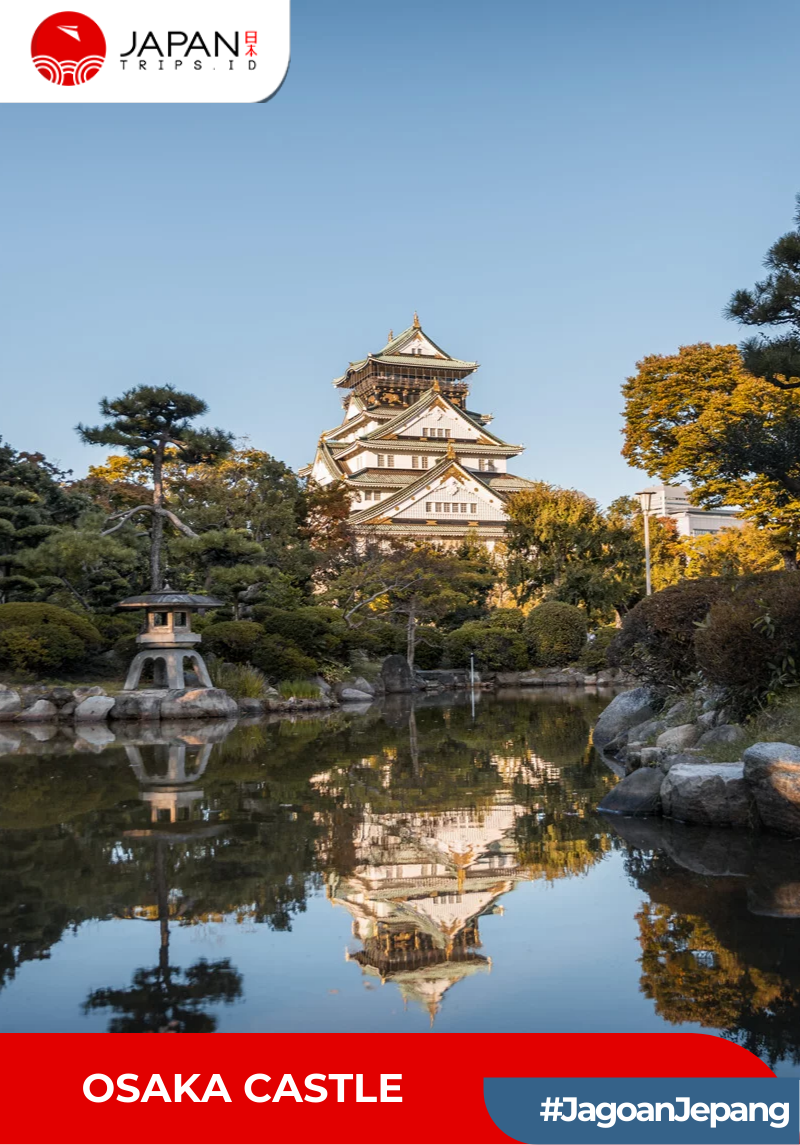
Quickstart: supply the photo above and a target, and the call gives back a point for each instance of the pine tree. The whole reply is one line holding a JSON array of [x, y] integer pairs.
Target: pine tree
[[774, 302], [150, 423]]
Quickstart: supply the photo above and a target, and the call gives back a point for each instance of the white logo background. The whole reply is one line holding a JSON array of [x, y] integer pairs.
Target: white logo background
[[20, 82]]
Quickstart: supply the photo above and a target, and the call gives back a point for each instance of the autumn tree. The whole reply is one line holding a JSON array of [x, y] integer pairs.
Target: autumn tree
[[152, 423], [774, 302], [731, 552], [699, 416]]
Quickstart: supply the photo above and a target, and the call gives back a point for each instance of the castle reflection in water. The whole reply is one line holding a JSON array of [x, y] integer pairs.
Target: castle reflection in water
[[419, 821]]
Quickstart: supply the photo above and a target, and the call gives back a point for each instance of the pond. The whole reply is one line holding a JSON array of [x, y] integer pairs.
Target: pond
[[436, 865]]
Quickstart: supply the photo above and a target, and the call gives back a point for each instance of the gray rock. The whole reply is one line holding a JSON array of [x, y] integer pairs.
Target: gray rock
[[362, 685], [199, 703], [647, 732], [683, 712], [40, 710], [83, 693], [589, 681], [94, 709], [692, 757], [772, 772], [250, 706], [60, 696], [354, 696], [67, 710], [144, 705], [323, 685], [638, 794], [678, 738], [721, 736], [706, 720], [10, 704], [625, 711], [714, 794], [713, 698], [649, 756], [397, 675]]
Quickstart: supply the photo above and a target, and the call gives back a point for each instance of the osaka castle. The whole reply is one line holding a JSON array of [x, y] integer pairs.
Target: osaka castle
[[420, 465]]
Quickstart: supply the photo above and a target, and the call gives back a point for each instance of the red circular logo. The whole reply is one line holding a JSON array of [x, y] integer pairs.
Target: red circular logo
[[68, 48]]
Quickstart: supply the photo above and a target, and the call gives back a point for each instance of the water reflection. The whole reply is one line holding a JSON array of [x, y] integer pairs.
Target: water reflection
[[410, 824]]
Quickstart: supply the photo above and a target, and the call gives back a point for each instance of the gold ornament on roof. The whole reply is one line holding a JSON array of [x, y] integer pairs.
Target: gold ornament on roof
[[391, 335], [451, 451], [416, 321], [436, 387]]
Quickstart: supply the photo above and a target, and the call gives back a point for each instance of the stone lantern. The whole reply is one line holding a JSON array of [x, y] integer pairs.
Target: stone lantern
[[167, 639]]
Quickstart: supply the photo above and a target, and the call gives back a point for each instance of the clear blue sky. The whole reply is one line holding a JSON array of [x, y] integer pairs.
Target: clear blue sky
[[558, 188]]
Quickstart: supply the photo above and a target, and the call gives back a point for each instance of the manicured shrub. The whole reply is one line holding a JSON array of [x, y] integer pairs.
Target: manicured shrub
[[594, 657], [556, 633], [656, 641], [750, 642], [281, 659], [495, 649], [509, 619], [233, 640], [43, 637]]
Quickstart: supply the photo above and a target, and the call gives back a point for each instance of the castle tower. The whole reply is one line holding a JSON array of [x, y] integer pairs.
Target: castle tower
[[419, 463]]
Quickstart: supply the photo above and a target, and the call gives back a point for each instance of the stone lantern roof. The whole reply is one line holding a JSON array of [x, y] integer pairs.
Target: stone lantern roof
[[167, 598]]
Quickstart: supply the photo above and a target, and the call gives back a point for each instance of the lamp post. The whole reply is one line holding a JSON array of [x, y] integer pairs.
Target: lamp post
[[645, 498]]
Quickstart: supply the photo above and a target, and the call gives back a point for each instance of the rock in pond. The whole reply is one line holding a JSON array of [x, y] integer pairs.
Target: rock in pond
[[638, 794], [772, 771], [41, 710], [143, 705], [94, 709], [396, 674], [355, 696], [10, 704], [625, 711], [714, 794], [200, 703]]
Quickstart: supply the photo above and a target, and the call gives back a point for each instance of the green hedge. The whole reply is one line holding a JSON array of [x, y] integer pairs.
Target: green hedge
[[594, 657], [556, 634], [43, 637], [496, 649]]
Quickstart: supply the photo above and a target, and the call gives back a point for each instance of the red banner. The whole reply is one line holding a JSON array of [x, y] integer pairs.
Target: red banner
[[340, 1088]]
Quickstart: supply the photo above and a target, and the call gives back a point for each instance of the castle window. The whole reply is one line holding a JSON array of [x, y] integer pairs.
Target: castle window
[[447, 433], [473, 508], [438, 506], [382, 461], [446, 506], [415, 463], [463, 508], [390, 460], [429, 506]]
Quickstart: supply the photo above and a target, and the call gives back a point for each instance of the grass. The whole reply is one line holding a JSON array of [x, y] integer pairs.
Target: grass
[[298, 689], [778, 723], [242, 681]]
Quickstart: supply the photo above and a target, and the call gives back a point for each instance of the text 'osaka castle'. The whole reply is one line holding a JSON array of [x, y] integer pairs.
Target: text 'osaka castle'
[[421, 466]]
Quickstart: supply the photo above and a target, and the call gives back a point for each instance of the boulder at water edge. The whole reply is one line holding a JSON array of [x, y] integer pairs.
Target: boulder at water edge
[[93, 709], [396, 674], [772, 771], [200, 703], [637, 794], [714, 794], [625, 711]]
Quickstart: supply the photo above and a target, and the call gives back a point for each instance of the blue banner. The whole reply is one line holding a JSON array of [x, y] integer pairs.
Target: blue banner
[[574, 1110]]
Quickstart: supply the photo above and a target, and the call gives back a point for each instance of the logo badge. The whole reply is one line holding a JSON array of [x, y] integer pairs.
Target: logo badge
[[68, 48]]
